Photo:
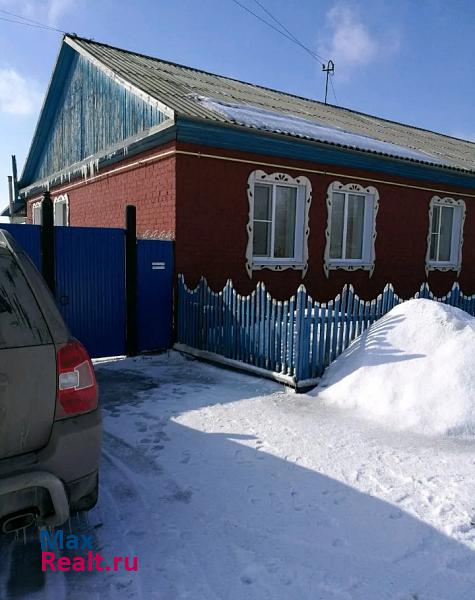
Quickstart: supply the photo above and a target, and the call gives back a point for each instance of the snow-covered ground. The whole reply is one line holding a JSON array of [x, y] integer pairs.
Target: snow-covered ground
[[228, 487]]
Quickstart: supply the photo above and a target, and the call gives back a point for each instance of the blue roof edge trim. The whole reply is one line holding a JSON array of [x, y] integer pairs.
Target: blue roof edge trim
[[50, 104], [238, 137]]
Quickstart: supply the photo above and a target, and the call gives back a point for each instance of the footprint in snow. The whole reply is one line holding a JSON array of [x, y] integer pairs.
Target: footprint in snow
[[186, 457]]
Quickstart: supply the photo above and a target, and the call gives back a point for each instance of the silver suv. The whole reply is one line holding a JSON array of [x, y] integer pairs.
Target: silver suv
[[50, 424]]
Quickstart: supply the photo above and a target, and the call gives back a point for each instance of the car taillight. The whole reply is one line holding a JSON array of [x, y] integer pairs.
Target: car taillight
[[77, 387]]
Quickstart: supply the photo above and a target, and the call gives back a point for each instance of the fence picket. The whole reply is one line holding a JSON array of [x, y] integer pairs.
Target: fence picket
[[285, 332], [291, 337], [299, 337]]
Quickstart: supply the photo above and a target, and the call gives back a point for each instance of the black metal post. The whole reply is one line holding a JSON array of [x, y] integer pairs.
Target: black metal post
[[47, 241], [131, 344]]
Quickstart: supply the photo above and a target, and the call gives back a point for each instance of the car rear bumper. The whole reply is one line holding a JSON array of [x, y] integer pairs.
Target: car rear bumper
[[56, 475], [74, 448], [12, 488]]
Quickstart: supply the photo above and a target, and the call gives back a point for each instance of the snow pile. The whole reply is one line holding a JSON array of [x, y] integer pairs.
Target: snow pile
[[267, 120], [412, 369]]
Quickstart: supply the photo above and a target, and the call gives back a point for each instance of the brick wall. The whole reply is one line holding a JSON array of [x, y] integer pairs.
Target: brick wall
[[101, 201], [212, 213]]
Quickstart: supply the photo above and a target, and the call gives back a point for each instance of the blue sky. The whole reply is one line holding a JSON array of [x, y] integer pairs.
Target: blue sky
[[409, 60]]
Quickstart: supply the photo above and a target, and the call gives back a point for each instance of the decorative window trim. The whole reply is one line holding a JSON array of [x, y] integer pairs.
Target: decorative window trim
[[442, 266], [34, 206], [330, 264], [259, 176], [61, 199]]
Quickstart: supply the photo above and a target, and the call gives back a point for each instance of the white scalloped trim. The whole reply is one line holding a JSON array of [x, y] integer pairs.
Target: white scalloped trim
[[431, 266], [262, 176], [332, 265]]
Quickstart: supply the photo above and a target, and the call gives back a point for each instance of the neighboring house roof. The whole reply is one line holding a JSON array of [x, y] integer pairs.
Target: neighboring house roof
[[194, 93]]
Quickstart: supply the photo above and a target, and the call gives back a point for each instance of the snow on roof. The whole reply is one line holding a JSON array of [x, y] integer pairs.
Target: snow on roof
[[263, 119], [412, 369]]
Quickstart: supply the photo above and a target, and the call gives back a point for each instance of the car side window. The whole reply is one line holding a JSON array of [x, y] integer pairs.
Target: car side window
[[21, 321]]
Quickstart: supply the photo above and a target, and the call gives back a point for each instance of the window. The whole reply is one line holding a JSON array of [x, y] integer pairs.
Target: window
[[36, 213], [278, 222], [61, 210], [351, 228], [444, 243]]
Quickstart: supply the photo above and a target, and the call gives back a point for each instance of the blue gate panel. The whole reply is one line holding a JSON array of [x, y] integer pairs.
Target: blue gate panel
[[90, 286], [154, 294], [29, 238]]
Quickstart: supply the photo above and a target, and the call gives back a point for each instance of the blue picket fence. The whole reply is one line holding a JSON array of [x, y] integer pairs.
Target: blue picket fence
[[296, 338]]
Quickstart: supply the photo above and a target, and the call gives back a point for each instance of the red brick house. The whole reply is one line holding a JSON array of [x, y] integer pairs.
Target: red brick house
[[251, 183]]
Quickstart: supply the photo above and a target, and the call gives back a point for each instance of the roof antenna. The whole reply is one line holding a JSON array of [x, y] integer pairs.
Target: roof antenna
[[329, 68]]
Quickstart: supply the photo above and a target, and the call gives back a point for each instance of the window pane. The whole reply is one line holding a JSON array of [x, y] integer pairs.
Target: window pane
[[65, 213], [58, 213], [355, 226], [336, 226], [262, 202], [445, 242], [37, 215], [261, 239], [284, 232], [435, 219], [433, 246]]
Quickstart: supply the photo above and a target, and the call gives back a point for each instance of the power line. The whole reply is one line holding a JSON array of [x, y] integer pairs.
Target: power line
[[23, 23], [294, 38], [289, 37], [19, 20], [285, 32]]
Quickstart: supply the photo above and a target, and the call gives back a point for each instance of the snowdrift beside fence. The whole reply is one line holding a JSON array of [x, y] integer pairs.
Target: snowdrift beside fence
[[413, 369]]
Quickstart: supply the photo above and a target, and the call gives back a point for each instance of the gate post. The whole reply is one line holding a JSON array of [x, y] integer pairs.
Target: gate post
[[47, 241], [131, 280]]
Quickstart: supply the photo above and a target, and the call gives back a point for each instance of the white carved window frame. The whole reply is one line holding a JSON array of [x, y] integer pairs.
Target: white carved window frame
[[367, 263], [455, 263], [280, 264], [36, 216], [61, 200]]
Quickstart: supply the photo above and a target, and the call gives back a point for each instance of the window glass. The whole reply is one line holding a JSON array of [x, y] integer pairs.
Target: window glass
[[262, 220], [275, 220], [337, 225], [21, 322], [434, 235], [445, 238], [261, 238], [355, 226], [284, 233], [61, 212], [262, 202], [37, 214]]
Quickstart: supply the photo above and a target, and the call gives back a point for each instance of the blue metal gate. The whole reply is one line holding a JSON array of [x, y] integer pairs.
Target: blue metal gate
[[28, 236], [90, 286], [154, 294]]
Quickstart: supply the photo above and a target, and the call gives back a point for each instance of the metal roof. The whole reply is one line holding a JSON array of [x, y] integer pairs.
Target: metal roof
[[178, 87]]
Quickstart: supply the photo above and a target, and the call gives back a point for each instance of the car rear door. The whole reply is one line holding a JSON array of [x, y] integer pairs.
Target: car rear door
[[27, 364]]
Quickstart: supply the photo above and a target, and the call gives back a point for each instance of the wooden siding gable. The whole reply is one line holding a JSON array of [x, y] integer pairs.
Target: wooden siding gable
[[85, 113]]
